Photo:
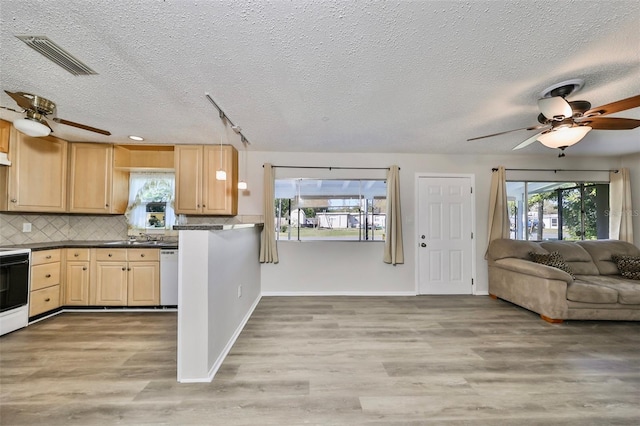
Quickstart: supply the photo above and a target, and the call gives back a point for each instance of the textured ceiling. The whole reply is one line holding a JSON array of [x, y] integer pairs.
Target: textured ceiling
[[331, 76]]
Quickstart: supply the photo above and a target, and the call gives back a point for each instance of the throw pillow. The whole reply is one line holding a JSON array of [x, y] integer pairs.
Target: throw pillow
[[629, 266], [553, 259]]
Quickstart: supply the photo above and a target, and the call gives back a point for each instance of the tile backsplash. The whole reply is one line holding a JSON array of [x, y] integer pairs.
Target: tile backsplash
[[60, 227]]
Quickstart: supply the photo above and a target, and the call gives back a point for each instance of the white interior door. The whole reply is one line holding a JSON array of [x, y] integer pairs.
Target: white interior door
[[445, 240]]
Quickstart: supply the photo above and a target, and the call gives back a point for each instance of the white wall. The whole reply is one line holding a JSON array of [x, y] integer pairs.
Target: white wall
[[632, 162], [211, 314], [357, 268]]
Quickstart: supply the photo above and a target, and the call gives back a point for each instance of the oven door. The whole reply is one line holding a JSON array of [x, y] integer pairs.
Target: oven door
[[14, 281]]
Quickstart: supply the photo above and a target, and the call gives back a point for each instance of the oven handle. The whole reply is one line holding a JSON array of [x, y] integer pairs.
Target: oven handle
[[21, 262]]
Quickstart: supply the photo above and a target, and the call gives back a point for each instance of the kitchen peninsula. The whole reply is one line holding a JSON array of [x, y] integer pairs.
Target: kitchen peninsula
[[218, 289]]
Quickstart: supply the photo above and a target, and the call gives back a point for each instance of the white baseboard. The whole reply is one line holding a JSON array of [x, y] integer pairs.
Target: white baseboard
[[218, 362], [336, 293], [481, 293]]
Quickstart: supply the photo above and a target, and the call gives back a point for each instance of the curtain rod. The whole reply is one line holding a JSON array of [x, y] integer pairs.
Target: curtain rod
[[331, 167], [495, 169]]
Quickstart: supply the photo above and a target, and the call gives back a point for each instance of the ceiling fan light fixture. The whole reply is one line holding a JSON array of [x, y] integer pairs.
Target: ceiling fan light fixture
[[564, 137], [31, 127]]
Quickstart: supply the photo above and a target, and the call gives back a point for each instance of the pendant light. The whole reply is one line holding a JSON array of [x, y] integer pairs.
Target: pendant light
[[242, 184], [220, 173]]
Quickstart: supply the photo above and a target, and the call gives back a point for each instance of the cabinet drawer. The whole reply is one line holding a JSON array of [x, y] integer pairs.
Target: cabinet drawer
[[144, 255], [45, 256], [78, 254], [44, 300], [45, 275], [111, 255]]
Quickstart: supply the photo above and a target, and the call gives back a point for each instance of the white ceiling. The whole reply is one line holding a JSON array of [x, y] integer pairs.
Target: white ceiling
[[325, 75]]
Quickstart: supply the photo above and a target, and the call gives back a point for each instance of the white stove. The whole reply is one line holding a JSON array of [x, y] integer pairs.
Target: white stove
[[14, 289]]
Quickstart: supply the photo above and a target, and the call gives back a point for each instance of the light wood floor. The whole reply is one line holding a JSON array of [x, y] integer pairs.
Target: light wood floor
[[330, 361]]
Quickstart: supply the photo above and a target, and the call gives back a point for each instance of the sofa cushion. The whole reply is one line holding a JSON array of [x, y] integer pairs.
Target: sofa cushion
[[629, 266], [580, 291], [578, 259], [628, 290], [602, 250], [553, 259], [504, 248]]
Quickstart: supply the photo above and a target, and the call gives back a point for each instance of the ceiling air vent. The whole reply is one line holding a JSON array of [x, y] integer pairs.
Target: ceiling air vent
[[57, 54]]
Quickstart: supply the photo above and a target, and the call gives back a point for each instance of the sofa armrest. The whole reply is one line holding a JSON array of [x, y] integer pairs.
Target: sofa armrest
[[534, 269]]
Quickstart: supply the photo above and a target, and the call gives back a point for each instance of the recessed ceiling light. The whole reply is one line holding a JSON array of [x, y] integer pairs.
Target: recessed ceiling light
[[136, 138]]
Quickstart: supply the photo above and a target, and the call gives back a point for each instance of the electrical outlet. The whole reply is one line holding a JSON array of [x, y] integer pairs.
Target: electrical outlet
[[26, 227], [239, 291]]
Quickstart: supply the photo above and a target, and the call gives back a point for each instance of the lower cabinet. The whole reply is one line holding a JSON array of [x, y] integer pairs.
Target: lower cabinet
[[126, 277], [77, 277], [45, 281]]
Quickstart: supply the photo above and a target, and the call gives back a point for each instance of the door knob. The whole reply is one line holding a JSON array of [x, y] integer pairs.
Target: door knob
[[423, 244]]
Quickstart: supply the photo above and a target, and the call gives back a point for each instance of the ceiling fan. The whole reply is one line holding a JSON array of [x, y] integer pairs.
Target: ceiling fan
[[564, 123], [36, 109]]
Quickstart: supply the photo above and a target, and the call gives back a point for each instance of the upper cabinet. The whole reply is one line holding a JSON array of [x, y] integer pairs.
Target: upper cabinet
[[94, 185], [37, 179], [198, 192], [5, 129]]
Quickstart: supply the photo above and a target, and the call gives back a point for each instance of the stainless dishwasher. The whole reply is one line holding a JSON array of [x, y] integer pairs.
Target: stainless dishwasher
[[169, 277]]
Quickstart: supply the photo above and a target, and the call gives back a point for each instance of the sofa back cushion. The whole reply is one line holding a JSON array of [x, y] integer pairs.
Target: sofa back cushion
[[602, 250], [578, 259], [504, 248]]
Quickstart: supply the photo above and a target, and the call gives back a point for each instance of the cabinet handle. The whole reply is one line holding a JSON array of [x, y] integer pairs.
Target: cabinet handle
[[48, 299], [76, 254], [128, 269], [49, 257], [124, 269], [142, 255], [203, 206], [106, 205], [48, 276], [110, 255], [84, 268], [13, 200]]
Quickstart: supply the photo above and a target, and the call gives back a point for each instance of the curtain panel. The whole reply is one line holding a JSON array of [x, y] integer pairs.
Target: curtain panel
[[620, 214], [499, 226], [393, 245], [268, 246]]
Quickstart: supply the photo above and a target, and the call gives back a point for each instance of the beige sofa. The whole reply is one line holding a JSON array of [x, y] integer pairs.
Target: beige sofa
[[598, 292]]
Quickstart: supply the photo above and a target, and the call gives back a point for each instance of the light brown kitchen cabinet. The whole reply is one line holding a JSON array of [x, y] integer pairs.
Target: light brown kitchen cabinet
[[45, 281], [198, 192], [126, 277], [94, 185], [143, 278], [5, 130], [77, 275], [37, 179]]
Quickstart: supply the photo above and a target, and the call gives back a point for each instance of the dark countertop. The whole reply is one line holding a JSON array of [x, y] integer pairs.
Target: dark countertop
[[216, 227], [96, 244]]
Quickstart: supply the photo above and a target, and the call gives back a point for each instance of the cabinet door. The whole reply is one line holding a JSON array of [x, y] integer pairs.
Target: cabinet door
[[220, 197], [77, 283], [111, 283], [144, 284], [188, 164], [90, 178], [38, 176], [5, 130]]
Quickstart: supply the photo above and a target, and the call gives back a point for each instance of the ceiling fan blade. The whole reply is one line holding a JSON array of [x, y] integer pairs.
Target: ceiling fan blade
[[508, 131], [555, 106], [81, 126], [20, 98], [531, 140], [610, 123], [11, 109], [621, 105]]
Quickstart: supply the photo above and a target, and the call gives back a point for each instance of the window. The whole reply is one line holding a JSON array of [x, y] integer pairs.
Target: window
[[558, 210], [330, 209], [151, 198]]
